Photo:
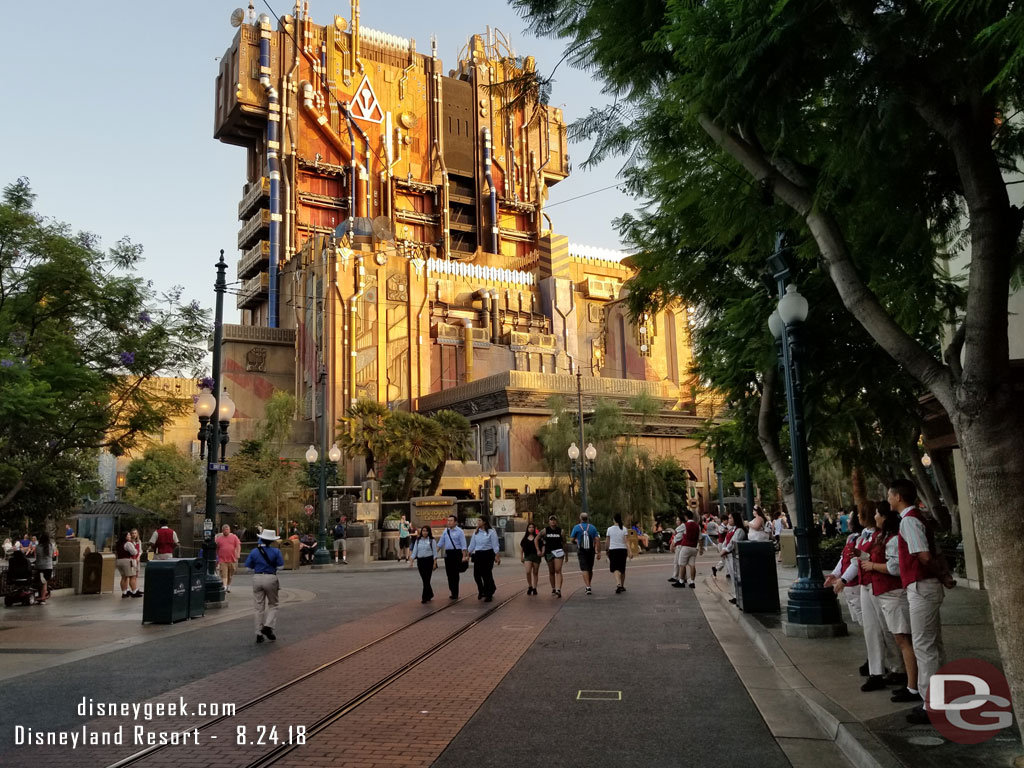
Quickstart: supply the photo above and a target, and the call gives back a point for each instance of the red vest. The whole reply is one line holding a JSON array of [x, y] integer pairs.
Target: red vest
[[864, 545], [847, 558], [164, 541], [911, 569], [882, 581], [691, 535]]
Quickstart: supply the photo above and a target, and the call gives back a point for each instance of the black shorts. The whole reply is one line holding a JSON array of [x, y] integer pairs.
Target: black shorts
[[617, 560], [586, 560], [403, 542]]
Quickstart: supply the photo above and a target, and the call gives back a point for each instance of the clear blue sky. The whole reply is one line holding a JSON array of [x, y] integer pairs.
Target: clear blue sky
[[108, 110]]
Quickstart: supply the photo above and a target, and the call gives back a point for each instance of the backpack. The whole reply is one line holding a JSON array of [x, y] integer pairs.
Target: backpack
[[339, 531]]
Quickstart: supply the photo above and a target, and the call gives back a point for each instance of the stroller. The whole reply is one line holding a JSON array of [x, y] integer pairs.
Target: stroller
[[19, 581]]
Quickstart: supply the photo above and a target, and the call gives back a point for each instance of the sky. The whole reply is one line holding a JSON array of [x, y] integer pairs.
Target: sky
[[108, 111]]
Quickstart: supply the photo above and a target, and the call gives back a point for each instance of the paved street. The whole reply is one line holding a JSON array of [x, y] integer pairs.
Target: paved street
[[656, 676]]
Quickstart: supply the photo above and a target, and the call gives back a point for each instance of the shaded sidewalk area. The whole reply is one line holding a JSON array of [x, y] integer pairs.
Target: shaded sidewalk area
[[822, 677]]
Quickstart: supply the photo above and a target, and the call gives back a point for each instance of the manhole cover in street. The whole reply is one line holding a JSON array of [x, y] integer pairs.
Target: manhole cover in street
[[926, 741]]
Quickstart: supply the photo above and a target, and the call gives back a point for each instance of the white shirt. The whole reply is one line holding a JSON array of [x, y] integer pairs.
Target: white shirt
[[913, 532], [777, 525], [616, 537]]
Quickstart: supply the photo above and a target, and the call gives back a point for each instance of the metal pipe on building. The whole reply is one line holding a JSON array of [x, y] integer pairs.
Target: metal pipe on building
[[493, 194], [273, 165], [469, 350], [495, 323]]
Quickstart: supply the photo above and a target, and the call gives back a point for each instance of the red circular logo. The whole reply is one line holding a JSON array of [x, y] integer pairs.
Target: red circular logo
[[969, 701]]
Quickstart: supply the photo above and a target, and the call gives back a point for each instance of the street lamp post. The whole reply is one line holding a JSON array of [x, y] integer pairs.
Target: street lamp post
[[812, 608], [213, 432], [322, 556], [721, 493]]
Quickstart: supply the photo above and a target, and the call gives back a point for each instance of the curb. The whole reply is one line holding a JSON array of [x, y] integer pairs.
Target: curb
[[861, 747]]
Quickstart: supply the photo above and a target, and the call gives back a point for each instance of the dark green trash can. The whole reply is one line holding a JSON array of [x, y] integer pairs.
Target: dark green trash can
[[166, 596], [757, 590], [196, 587]]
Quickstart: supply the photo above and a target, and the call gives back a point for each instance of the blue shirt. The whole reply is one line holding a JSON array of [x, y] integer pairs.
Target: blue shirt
[[483, 540], [451, 539], [423, 547], [257, 564], [577, 535]]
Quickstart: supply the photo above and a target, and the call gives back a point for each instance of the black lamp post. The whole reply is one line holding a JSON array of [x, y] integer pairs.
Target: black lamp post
[[589, 453], [721, 492], [812, 608], [322, 556], [213, 434]]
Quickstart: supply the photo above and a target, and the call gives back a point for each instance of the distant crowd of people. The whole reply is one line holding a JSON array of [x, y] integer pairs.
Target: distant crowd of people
[[32, 559]]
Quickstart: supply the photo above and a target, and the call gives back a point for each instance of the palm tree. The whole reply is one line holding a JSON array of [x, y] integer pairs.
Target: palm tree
[[364, 432], [416, 440], [455, 434]]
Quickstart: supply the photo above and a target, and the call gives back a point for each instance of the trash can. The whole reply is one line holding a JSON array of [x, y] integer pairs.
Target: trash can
[[98, 573], [290, 552], [787, 547], [196, 587], [757, 590], [166, 597]]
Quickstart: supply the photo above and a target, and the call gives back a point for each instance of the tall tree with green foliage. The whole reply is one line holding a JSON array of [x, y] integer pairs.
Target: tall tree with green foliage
[[417, 442], [363, 433], [454, 443], [80, 336], [879, 134], [157, 479]]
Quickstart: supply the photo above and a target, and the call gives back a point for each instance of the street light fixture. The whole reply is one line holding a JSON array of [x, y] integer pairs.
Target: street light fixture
[[812, 609], [335, 453], [213, 432]]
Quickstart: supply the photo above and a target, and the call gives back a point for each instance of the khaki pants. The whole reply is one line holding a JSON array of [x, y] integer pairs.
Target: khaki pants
[[265, 587], [227, 571], [925, 599]]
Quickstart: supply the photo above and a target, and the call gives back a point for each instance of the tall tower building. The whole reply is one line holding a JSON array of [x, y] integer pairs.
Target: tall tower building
[[394, 245]]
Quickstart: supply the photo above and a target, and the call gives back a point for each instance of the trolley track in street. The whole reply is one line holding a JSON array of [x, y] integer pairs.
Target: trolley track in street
[[352, 703]]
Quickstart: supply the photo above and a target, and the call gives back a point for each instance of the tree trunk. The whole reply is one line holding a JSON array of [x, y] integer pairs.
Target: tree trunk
[[435, 478], [993, 449], [860, 492], [948, 491], [923, 482], [768, 437]]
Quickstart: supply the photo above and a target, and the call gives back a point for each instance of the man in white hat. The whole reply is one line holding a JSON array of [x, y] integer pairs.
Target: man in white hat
[[264, 561]]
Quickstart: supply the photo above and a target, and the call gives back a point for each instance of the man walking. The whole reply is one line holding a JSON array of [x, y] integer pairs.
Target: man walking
[[264, 561], [163, 541], [229, 548], [688, 534], [924, 574], [339, 540], [588, 547], [453, 543]]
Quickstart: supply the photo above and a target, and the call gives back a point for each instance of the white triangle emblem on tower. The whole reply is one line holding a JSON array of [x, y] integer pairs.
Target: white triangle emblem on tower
[[365, 105]]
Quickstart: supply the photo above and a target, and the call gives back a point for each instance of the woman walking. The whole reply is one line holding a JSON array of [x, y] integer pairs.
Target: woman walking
[[532, 547], [554, 553], [483, 549], [731, 550], [618, 553], [44, 565], [424, 553]]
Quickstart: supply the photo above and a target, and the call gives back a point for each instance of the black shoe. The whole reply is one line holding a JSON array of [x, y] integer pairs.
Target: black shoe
[[732, 600], [268, 632], [618, 590], [904, 695], [137, 594], [558, 593], [693, 585], [728, 575], [919, 717], [259, 639], [479, 595], [873, 683], [864, 670], [488, 599], [125, 594], [679, 584], [899, 679], [453, 597], [673, 580]]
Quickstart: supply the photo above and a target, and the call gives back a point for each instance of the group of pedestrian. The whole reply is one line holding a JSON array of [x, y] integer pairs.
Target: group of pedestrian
[[483, 551], [894, 580], [128, 554], [34, 556]]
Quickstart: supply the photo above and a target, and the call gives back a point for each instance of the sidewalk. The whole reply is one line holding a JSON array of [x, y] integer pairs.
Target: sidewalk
[[822, 678]]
